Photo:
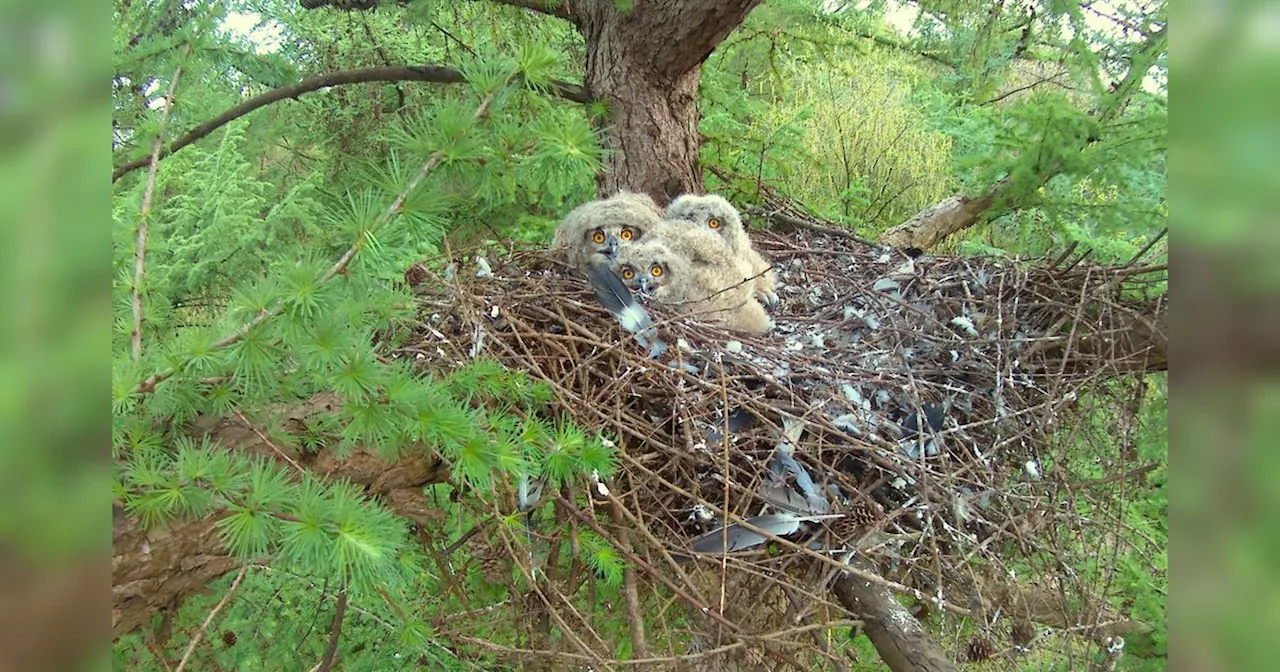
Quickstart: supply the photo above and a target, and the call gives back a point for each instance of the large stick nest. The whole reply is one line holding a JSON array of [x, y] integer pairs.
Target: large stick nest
[[864, 338]]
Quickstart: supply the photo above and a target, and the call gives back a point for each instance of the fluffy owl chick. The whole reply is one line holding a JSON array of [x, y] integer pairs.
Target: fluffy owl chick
[[718, 215], [603, 226], [714, 292]]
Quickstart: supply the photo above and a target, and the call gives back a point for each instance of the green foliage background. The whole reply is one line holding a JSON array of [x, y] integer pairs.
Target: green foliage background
[[837, 110]]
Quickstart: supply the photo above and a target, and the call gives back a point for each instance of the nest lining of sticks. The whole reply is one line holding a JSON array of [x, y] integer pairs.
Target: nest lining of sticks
[[869, 346]]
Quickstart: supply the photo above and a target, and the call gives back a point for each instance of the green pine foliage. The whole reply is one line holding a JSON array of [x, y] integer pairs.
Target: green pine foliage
[[243, 312]]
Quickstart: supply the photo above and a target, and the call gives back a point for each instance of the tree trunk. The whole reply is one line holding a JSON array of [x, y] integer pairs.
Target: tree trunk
[[651, 136], [643, 64], [903, 644]]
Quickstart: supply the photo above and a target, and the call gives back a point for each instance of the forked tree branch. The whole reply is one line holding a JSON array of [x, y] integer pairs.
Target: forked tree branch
[[397, 73]]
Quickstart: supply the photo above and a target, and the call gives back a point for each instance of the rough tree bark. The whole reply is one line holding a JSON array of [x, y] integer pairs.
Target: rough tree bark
[[903, 644], [644, 65]]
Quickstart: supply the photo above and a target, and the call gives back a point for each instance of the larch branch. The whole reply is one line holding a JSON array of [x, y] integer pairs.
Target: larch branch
[[149, 384], [438, 74]]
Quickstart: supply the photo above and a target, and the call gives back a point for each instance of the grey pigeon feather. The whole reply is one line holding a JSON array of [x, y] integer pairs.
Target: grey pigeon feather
[[617, 299], [736, 537]]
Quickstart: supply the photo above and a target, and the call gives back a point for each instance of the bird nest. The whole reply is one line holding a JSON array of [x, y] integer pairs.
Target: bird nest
[[989, 360]]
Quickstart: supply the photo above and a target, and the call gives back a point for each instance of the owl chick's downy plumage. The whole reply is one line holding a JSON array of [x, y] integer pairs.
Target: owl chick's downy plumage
[[718, 215], [603, 226], [712, 289]]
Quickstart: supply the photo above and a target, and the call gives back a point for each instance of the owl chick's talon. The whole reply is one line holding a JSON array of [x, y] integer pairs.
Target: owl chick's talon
[[770, 299]]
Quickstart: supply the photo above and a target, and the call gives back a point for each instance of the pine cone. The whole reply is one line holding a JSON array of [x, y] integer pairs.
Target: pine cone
[[980, 649], [415, 275], [494, 564], [495, 569], [228, 638], [866, 512], [859, 517]]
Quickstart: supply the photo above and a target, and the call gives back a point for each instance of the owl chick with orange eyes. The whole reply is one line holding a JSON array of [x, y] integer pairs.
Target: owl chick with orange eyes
[[604, 226], [716, 214], [707, 284]]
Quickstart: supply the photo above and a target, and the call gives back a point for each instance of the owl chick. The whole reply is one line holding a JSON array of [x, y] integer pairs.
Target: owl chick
[[718, 215], [603, 226], [706, 289]]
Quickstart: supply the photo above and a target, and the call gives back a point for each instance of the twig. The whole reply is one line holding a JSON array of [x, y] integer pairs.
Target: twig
[[140, 247], [1147, 248], [335, 630], [283, 455], [204, 627], [149, 384]]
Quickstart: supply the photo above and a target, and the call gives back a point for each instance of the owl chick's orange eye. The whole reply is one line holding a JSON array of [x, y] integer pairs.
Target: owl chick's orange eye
[[597, 237], [656, 271], [627, 273], [714, 222], [627, 234]]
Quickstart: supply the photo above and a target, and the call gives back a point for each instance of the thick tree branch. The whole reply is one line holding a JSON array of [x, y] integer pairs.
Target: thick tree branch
[[335, 631], [155, 570], [438, 74], [956, 213], [903, 644], [560, 10]]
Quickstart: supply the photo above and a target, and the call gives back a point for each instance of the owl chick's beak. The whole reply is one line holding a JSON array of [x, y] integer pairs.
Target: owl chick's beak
[[611, 246]]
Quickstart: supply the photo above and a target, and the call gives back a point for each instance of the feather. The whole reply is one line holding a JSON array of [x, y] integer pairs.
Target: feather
[[529, 492], [736, 537], [783, 469], [617, 299]]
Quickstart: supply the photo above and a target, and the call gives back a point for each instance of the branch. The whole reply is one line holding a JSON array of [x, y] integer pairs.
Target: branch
[[413, 73], [903, 644], [149, 385], [638, 646], [559, 10], [195, 639], [331, 650], [549, 7], [894, 44], [140, 247]]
